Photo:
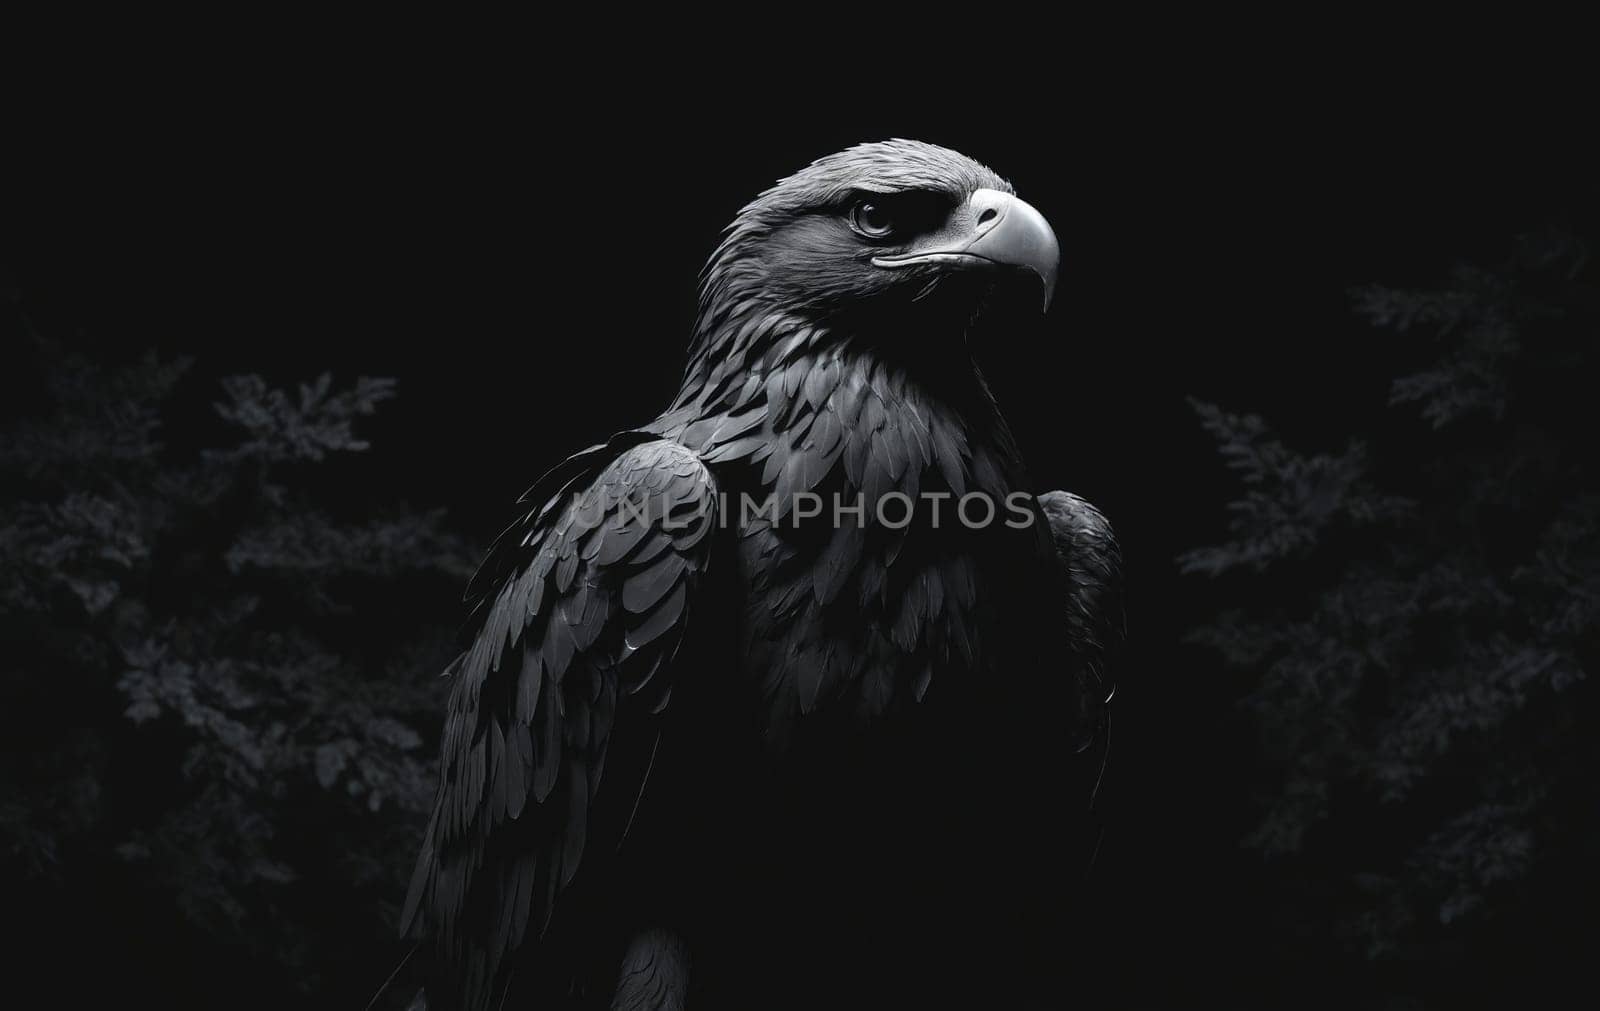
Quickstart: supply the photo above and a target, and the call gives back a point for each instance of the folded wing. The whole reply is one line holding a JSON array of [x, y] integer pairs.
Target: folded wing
[[580, 609]]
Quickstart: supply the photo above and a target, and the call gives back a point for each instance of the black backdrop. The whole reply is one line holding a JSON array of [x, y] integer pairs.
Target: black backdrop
[[499, 244]]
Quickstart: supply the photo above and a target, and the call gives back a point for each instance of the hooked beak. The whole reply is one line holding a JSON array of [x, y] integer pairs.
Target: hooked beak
[[993, 228]]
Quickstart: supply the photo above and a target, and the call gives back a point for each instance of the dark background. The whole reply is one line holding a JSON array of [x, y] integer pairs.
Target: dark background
[[522, 259]]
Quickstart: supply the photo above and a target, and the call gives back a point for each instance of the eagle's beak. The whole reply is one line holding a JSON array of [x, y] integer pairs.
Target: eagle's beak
[[998, 228]]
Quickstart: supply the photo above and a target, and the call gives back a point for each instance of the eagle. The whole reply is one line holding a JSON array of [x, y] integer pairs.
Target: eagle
[[806, 640]]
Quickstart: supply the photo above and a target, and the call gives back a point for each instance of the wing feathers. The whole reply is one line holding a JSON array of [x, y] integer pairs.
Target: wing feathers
[[588, 593], [659, 620]]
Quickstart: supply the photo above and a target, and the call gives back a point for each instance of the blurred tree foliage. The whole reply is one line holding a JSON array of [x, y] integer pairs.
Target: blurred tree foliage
[[216, 693], [1417, 616]]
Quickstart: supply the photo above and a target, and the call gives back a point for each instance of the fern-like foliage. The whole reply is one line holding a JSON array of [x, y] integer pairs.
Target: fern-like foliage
[[218, 686], [1422, 656]]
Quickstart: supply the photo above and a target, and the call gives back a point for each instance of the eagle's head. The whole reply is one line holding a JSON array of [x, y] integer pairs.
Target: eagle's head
[[879, 238]]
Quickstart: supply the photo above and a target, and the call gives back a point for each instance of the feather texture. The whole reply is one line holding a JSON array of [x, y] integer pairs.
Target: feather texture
[[792, 388], [566, 618]]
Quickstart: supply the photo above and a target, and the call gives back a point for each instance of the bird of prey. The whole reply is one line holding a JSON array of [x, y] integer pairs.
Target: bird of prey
[[806, 637]]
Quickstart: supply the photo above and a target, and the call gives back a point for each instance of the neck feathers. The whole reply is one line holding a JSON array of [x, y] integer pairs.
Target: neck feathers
[[808, 405]]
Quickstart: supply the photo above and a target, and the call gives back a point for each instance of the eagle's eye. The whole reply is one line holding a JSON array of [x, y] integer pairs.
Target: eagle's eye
[[872, 220]]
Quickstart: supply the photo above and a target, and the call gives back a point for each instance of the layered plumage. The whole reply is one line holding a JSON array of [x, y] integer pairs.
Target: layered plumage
[[669, 592]]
